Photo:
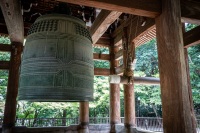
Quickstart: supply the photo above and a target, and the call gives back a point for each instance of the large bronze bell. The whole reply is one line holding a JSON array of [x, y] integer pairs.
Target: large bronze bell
[[57, 63]]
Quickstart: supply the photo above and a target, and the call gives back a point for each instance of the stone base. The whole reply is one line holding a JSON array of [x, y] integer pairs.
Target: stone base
[[100, 128]]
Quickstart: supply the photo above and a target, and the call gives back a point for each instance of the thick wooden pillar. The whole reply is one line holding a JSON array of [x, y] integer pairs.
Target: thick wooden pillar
[[129, 105], [189, 84], [11, 10], [173, 76], [114, 94], [12, 89], [190, 92], [84, 117]]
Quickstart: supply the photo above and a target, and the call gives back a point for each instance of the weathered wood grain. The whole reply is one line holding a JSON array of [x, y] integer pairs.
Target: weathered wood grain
[[192, 37], [146, 8], [173, 77], [102, 22]]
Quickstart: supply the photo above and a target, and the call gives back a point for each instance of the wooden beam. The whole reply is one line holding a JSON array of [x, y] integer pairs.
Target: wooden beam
[[189, 8], [3, 28], [190, 11], [138, 32], [102, 22], [147, 80], [104, 41], [12, 89], [101, 72], [4, 65], [11, 10], [119, 70], [173, 77], [105, 57], [191, 37], [137, 80], [138, 7], [119, 54], [5, 48]]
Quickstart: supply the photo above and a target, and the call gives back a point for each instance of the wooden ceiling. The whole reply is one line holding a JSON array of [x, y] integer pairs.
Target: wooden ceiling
[[108, 24]]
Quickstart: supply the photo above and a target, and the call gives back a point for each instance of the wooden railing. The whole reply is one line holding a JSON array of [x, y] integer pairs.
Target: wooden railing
[[146, 123]]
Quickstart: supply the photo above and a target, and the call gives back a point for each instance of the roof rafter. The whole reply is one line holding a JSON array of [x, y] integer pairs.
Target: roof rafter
[[102, 22], [191, 37], [146, 8], [190, 9]]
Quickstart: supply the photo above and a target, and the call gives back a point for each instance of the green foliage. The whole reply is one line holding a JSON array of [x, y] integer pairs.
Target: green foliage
[[101, 64], [148, 101], [101, 50], [147, 59], [189, 26], [100, 105], [4, 40], [147, 97], [194, 62]]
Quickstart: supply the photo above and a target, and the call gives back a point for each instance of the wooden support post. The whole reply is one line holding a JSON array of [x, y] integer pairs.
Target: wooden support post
[[189, 85], [129, 106], [12, 90], [84, 117], [129, 97], [193, 117], [173, 77], [114, 94]]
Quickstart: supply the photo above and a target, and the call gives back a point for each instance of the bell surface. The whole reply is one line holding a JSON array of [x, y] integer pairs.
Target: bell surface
[[57, 62]]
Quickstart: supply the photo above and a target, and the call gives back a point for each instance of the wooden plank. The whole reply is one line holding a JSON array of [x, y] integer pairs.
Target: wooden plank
[[103, 41], [5, 48], [119, 70], [137, 80], [173, 77], [147, 80], [136, 29], [119, 54], [101, 72], [190, 10], [146, 8], [105, 57], [3, 28], [102, 22], [4, 65], [11, 10], [12, 89], [191, 38]]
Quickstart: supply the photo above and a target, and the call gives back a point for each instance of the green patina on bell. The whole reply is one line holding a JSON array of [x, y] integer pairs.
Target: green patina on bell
[[57, 63]]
